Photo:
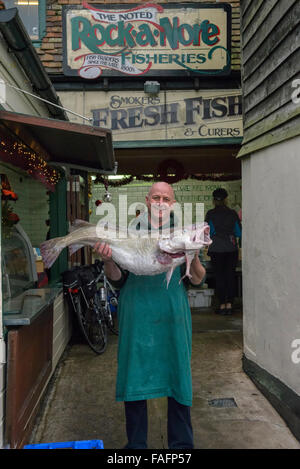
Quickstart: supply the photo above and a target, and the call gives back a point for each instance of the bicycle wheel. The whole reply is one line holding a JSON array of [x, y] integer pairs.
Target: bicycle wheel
[[92, 325]]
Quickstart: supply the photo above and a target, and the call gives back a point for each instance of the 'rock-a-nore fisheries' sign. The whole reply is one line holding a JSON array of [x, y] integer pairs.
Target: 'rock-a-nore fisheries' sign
[[148, 39]]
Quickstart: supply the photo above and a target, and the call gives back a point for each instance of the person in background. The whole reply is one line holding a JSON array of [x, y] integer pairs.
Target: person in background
[[240, 214], [225, 228]]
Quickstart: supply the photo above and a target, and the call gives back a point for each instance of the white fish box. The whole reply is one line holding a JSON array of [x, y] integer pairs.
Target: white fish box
[[200, 298]]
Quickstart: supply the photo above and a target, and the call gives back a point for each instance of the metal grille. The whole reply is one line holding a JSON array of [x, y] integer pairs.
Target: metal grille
[[223, 402]]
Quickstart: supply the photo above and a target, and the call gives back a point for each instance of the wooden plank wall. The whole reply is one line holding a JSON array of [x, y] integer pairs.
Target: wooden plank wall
[[62, 328], [270, 63], [2, 401], [29, 364], [235, 35]]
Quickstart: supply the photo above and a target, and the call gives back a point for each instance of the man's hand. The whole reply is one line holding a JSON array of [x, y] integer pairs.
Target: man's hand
[[197, 270], [111, 269], [104, 251]]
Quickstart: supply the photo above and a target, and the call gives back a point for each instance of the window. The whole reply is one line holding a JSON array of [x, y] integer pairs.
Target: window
[[33, 16]]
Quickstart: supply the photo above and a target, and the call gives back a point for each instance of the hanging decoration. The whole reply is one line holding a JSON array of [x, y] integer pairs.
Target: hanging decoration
[[216, 177], [107, 197], [170, 171], [126, 180], [20, 155], [90, 182]]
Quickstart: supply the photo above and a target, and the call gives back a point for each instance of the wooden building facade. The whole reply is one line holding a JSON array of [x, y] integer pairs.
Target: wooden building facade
[[271, 207]]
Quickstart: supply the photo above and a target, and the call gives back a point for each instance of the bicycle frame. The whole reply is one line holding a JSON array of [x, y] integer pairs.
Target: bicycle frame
[[93, 312]]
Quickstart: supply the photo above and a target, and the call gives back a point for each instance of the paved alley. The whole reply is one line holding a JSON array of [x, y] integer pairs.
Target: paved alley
[[228, 411]]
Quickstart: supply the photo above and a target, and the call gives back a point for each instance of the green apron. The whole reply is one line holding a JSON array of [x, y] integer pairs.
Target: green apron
[[155, 338]]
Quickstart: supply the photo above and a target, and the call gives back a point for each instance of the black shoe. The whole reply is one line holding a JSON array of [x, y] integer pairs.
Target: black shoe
[[128, 446], [221, 311], [228, 311]]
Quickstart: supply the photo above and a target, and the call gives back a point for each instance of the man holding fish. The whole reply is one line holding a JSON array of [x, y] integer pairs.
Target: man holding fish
[[155, 328]]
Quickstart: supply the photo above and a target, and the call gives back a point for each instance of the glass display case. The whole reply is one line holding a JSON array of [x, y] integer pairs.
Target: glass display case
[[18, 265]]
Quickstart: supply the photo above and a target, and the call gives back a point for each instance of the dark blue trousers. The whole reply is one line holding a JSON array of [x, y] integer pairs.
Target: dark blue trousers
[[180, 432]]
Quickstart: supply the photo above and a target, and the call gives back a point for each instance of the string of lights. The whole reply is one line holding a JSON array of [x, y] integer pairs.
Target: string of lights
[[18, 154]]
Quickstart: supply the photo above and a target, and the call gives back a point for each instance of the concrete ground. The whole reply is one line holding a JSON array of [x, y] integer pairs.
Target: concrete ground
[[80, 403]]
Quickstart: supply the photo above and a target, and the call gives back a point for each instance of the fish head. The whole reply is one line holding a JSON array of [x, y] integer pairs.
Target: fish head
[[188, 240], [181, 246]]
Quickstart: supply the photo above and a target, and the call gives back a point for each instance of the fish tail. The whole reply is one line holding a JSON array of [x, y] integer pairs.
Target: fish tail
[[50, 250]]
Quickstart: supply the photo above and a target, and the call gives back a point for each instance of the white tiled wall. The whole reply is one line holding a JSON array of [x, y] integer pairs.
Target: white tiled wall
[[189, 190]]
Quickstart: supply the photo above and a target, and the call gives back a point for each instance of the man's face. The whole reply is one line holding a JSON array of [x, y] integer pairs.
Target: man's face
[[160, 200]]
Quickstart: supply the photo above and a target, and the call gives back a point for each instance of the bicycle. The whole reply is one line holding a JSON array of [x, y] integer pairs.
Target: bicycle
[[95, 307]]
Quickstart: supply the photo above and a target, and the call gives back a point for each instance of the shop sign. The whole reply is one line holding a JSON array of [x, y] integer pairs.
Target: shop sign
[[173, 116], [148, 39]]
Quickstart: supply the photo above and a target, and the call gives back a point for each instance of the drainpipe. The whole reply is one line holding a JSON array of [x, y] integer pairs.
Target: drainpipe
[[20, 45]]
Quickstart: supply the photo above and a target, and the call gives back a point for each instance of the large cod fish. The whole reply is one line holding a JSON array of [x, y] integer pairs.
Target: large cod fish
[[140, 254]]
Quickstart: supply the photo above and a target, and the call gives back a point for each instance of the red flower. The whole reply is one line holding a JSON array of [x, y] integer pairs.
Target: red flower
[[10, 195], [98, 202], [13, 217]]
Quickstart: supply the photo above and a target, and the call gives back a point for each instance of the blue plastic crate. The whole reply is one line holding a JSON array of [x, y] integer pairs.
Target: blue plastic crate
[[85, 444]]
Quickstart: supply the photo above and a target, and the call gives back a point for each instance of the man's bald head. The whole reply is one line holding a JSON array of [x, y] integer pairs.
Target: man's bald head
[[162, 188], [159, 201]]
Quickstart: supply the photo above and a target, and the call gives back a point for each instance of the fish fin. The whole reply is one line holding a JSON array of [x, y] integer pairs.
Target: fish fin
[[74, 247], [169, 275], [188, 258], [79, 224], [50, 250]]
